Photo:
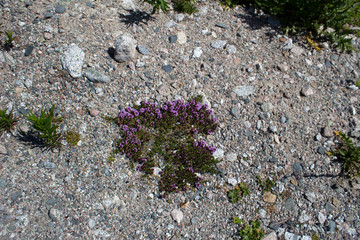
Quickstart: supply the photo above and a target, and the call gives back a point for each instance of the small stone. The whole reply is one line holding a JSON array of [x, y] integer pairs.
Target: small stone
[[96, 76], [143, 50], [297, 168], [48, 36], [304, 217], [94, 112], [197, 52], [55, 214], [167, 68], [274, 226], [124, 48], [336, 202], [270, 236], [28, 50], [179, 17], [321, 218], [3, 183], [232, 181], [269, 197], [92, 223], [283, 119], [310, 196], [273, 129], [3, 149], [157, 171], [297, 51], [267, 107], [318, 137], [177, 215], [73, 60], [128, 5], [332, 226], [221, 25], [235, 112], [219, 153], [242, 91], [173, 38], [111, 202], [307, 91], [218, 44], [291, 236], [48, 15], [231, 49], [194, 221], [181, 37], [60, 9], [289, 205], [49, 165], [231, 157], [321, 150], [326, 132]]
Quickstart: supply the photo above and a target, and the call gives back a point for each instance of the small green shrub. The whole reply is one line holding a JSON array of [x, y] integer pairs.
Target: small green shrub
[[72, 137], [9, 42], [265, 184], [185, 6], [158, 4], [170, 138], [315, 237], [325, 20], [349, 154], [249, 232], [45, 127], [7, 121], [240, 191]]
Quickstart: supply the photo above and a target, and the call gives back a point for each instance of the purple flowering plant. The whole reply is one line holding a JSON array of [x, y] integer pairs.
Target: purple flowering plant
[[168, 137]]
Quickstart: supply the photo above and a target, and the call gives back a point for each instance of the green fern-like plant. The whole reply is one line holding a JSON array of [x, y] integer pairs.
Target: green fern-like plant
[[46, 126], [240, 191], [349, 154], [158, 4], [250, 231], [7, 121]]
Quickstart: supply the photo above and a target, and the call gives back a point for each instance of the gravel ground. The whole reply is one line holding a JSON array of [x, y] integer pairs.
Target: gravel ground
[[277, 100]]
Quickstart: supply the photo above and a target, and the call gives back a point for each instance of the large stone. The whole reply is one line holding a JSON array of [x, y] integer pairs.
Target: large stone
[[177, 215], [242, 91], [73, 60], [96, 76], [181, 37], [128, 5], [269, 197], [124, 48]]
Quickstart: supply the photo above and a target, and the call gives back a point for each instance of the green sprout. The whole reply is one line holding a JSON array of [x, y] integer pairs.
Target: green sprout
[[46, 126], [72, 137], [349, 154], [240, 191], [250, 231], [265, 184], [7, 121]]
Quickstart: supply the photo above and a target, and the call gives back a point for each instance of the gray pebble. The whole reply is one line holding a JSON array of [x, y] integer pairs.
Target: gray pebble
[[48, 15], [218, 44], [49, 165], [297, 168], [60, 9], [283, 119], [273, 129], [326, 132], [167, 68], [173, 38], [3, 183], [242, 91], [318, 137], [96, 76], [235, 112], [221, 25], [321, 150], [332, 226], [55, 214], [29, 50]]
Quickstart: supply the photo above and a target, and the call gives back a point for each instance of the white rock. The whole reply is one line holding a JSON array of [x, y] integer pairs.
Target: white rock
[[307, 91], [55, 214], [242, 91], [73, 60], [124, 48], [291, 236], [181, 37], [219, 153], [128, 4], [306, 238], [321, 218], [304, 217], [197, 52], [179, 17], [232, 181], [297, 51], [157, 171], [92, 223], [231, 49], [3, 149], [177, 215], [218, 44], [101, 233]]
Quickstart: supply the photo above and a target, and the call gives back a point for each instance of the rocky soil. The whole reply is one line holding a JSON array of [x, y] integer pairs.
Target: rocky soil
[[278, 102]]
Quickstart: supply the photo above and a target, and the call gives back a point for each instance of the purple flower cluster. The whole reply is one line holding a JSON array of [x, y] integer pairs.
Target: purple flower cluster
[[143, 126]]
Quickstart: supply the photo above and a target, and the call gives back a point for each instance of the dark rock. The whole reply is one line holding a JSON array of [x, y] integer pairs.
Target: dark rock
[[48, 15], [60, 9], [29, 50], [221, 25], [321, 150], [173, 38], [297, 168], [274, 226], [167, 68]]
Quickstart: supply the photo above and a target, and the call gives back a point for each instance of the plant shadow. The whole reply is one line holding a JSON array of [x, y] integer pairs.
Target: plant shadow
[[30, 139], [135, 18]]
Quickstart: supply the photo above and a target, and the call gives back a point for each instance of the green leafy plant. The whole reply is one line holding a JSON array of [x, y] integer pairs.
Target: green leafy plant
[[265, 184], [46, 126], [185, 6], [250, 231], [240, 191], [158, 4], [9, 42], [357, 83], [326, 20], [349, 154], [169, 137], [7, 121], [72, 137], [315, 237]]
